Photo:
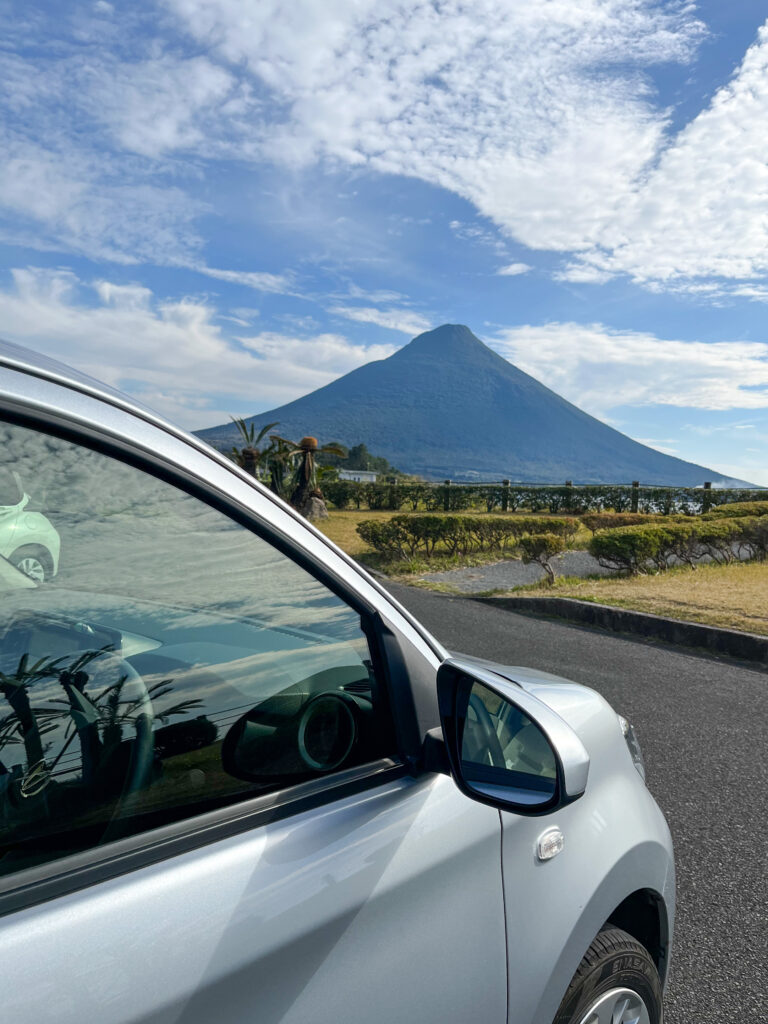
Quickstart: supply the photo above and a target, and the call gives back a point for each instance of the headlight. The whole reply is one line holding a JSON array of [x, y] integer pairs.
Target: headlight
[[633, 745]]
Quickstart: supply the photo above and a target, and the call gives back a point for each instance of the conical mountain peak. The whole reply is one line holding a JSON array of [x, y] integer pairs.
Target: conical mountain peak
[[446, 405], [449, 341]]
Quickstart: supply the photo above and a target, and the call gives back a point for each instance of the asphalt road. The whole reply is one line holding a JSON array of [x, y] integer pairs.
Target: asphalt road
[[701, 722]]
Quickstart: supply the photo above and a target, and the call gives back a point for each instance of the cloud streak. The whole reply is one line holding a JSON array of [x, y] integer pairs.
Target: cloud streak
[[393, 319], [600, 369], [162, 351]]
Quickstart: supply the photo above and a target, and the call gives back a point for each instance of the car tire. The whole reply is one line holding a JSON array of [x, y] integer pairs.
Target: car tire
[[33, 561], [616, 971]]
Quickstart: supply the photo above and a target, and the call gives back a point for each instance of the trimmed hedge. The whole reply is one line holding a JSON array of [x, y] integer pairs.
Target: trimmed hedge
[[737, 509], [636, 548], [407, 536], [595, 521], [535, 498]]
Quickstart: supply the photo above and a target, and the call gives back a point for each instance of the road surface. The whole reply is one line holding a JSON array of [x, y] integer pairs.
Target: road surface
[[701, 722]]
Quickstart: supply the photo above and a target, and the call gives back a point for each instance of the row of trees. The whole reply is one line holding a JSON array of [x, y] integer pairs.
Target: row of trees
[[288, 467], [295, 470], [623, 541]]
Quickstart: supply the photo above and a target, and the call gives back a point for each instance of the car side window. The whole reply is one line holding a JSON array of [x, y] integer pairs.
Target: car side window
[[157, 659]]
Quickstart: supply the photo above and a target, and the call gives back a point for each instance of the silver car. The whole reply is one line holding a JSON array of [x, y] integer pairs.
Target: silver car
[[240, 783]]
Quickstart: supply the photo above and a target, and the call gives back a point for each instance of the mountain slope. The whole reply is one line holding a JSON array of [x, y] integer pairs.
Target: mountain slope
[[445, 405]]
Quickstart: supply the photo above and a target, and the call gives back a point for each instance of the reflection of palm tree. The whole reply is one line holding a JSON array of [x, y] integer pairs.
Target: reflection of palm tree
[[106, 711], [114, 710], [24, 724]]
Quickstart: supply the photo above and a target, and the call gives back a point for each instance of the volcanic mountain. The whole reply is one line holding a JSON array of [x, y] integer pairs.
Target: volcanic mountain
[[446, 405]]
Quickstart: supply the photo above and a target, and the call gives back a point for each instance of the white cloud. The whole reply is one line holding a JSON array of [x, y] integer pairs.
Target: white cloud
[[667, 447], [513, 269], [540, 113], [319, 359], [74, 201], [162, 105], [61, 198], [257, 279], [377, 295], [161, 351], [703, 209], [537, 112], [599, 369], [534, 110], [395, 319]]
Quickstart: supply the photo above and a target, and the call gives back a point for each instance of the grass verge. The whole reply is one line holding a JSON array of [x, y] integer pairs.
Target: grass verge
[[732, 596]]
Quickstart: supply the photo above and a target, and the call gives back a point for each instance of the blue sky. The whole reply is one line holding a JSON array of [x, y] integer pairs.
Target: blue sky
[[220, 205]]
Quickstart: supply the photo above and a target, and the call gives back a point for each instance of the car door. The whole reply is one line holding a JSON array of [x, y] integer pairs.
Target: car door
[[205, 812]]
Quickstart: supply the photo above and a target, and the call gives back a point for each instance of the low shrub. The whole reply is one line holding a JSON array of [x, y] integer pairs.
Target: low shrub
[[405, 536], [629, 548], [678, 540], [683, 540], [738, 509], [595, 521], [719, 538], [558, 500], [753, 537], [541, 548]]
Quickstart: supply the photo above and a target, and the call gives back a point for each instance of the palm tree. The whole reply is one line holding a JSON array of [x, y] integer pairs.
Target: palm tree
[[249, 457], [301, 458]]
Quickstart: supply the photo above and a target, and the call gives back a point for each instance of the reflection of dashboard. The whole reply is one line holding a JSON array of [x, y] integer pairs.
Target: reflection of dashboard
[[49, 636], [285, 706]]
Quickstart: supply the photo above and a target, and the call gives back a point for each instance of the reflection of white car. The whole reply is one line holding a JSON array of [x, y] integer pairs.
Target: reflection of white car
[[27, 539]]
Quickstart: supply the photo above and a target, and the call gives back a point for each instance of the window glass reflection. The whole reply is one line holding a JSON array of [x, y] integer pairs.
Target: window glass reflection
[[164, 662]]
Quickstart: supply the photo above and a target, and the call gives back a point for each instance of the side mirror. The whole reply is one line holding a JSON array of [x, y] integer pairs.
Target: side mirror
[[505, 747]]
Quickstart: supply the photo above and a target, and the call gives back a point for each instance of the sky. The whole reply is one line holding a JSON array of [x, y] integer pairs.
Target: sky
[[220, 205]]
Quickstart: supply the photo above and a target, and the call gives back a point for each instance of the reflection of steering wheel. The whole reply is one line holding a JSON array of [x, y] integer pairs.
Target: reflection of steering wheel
[[108, 669], [491, 745]]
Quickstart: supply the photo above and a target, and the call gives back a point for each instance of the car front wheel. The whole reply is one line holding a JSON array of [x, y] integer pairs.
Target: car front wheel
[[33, 562], [616, 983]]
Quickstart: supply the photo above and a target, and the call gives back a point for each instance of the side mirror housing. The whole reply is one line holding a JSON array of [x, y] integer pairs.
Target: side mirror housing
[[505, 747]]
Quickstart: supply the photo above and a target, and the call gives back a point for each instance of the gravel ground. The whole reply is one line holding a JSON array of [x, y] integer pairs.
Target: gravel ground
[[512, 573]]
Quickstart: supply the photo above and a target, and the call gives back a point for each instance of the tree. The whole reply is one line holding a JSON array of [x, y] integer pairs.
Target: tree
[[540, 549], [250, 457], [304, 477]]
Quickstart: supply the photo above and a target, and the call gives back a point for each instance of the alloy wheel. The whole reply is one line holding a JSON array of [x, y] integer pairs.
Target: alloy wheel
[[32, 567], [619, 1006]]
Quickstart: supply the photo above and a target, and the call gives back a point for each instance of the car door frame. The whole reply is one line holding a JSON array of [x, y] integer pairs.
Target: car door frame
[[65, 420]]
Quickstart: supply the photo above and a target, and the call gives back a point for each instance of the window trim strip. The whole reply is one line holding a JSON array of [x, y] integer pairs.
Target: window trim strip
[[68, 874]]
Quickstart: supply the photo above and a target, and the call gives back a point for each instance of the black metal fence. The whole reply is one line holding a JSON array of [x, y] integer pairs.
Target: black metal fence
[[508, 497]]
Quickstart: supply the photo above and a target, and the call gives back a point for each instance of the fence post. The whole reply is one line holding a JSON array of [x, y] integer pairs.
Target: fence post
[[505, 495], [635, 494], [706, 502], [447, 497], [392, 493]]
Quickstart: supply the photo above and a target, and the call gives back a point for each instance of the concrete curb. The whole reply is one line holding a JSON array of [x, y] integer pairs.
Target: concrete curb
[[730, 642]]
